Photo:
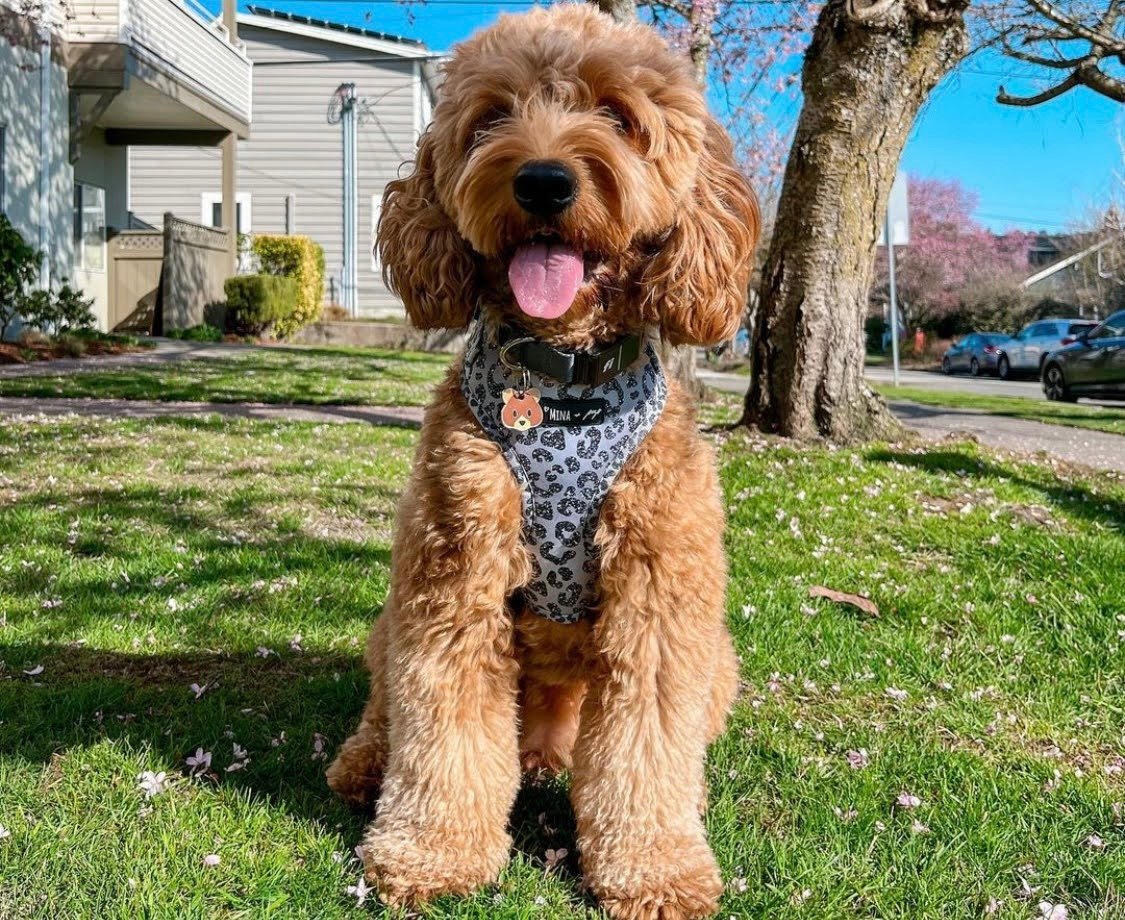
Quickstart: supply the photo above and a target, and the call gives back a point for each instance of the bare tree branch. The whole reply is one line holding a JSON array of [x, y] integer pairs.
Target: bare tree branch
[[1034, 32], [1046, 96]]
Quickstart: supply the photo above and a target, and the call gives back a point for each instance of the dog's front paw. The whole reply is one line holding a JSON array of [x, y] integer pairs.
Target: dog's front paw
[[408, 869], [676, 883], [357, 771]]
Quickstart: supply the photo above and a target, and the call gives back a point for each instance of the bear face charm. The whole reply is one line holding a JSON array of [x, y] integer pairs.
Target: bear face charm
[[521, 410]]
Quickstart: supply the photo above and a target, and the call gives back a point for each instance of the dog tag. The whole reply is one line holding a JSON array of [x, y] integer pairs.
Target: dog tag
[[521, 410]]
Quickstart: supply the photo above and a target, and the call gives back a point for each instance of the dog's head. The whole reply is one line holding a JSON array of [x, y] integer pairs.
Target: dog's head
[[572, 180]]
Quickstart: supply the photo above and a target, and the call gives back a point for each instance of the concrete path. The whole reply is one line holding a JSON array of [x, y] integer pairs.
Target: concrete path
[[13, 407], [1076, 445], [164, 352], [1098, 449]]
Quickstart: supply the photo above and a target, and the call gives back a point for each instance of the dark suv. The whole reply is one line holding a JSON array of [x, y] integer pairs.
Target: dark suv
[[1092, 366]]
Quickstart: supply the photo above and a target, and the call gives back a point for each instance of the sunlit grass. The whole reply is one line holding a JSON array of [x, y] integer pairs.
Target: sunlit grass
[[249, 558]]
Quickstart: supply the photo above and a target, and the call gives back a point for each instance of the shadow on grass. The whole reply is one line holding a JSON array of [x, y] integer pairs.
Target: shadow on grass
[[1073, 497], [275, 707]]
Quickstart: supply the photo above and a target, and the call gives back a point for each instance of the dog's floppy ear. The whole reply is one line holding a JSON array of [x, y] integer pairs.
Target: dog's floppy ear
[[698, 280], [425, 260]]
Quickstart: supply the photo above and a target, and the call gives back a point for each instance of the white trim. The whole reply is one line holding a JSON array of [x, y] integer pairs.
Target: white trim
[[1070, 260], [208, 200], [334, 36]]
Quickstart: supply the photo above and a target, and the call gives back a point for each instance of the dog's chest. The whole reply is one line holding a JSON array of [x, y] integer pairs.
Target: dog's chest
[[565, 446]]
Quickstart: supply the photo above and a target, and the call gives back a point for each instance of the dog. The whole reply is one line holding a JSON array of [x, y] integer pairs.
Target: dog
[[571, 195]]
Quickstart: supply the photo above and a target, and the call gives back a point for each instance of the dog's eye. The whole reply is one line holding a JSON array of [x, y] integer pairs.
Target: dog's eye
[[485, 123], [622, 118]]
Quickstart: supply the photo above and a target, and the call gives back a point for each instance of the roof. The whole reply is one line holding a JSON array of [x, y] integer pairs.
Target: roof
[[266, 18], [1056, 267]]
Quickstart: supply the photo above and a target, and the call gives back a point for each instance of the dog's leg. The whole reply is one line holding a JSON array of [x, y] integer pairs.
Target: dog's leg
[[650, 711], [724, 685], [357, 771], [452, 677]]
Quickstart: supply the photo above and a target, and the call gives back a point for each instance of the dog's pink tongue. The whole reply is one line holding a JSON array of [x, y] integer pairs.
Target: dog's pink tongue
[[545, 277]]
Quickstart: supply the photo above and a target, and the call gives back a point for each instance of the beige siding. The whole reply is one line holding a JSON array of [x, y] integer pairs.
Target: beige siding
[[293, 150]]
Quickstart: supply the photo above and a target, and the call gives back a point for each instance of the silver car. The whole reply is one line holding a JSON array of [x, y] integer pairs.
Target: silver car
[[1026, 353]]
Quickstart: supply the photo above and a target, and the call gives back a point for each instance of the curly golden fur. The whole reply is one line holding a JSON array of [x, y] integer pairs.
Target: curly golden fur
[[465, 687]]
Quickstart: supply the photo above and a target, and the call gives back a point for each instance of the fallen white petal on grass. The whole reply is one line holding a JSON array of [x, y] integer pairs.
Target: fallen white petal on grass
[[554, 857], [152, 784], [4, 832], [1095, 842], [199, 762], [212, 859], [359, 891], [34, 672], [857, 760], [895, 694], [906, 800], [1049, 911], [198, 690]]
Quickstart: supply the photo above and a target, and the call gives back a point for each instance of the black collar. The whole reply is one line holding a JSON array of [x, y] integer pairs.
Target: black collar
[[589, 368]]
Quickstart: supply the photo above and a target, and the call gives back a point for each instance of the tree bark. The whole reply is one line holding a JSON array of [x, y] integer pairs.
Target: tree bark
[[865, 76], [621, 10]]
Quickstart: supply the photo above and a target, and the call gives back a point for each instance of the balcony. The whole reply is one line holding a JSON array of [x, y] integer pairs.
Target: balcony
[[157, 66]]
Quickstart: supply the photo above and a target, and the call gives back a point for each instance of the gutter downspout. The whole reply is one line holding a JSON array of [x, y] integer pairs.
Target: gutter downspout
[[45, 164]]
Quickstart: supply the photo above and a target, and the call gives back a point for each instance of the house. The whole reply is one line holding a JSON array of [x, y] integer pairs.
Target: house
[[1089, 280], [291, 171], [81, 92]]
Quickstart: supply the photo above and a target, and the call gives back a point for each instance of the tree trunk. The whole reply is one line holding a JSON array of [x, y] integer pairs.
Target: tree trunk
[[865, 76], [621, 10]]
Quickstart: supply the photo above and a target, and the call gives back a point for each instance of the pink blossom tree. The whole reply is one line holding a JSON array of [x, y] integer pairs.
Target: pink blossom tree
[[950, 253]]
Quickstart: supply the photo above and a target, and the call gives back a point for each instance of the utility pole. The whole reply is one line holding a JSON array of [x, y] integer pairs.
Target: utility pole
[[349, 280]]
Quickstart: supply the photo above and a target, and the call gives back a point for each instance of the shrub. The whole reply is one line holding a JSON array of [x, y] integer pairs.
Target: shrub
[[201, 333], [57, 312], [301, 259], [72, 310], [256, 303], [19, 265]]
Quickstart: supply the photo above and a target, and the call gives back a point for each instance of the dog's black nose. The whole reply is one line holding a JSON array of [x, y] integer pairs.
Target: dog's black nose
[[545, 188]]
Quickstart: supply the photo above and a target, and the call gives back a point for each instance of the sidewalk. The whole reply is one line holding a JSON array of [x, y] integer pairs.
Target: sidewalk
[[12, 406], [165, 351]]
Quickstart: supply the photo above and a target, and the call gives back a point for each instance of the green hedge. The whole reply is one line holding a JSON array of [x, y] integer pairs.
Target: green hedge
[[301, 259], [257, 303]]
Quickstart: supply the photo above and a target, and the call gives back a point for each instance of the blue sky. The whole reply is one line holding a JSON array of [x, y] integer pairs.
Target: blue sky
[[1040, 168]]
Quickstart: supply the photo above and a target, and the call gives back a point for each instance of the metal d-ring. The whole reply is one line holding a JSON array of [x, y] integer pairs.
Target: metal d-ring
[[511, 366]]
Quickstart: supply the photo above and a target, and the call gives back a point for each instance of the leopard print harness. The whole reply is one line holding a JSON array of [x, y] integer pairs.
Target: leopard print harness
[[564, 472]]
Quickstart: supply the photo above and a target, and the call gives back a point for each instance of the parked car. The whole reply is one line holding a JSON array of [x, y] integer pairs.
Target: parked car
[[1092, 366], [1031, 345], [977, 352]]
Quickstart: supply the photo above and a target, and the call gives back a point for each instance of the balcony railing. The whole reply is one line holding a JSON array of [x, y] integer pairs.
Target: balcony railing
[[180, 38]]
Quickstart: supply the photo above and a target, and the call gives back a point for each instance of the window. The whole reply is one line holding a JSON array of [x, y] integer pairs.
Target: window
[[1079, 328], [211, 210], [89, 227], [376, 210]]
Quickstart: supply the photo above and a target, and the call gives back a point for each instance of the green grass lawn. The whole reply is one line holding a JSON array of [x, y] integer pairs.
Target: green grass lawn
[[317, 376], [247, 558], [1036, 410]]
